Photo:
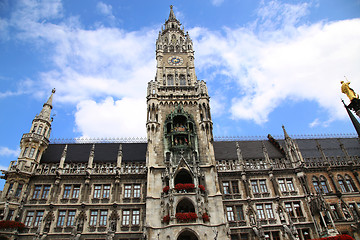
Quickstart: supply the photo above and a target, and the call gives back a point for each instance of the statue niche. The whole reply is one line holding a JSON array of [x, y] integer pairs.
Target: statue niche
[[180, 135]]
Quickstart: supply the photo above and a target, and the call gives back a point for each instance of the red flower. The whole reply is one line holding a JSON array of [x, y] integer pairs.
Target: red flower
[[11, 224], [202, 188], [205, 217], [166, 219], [184, 186], [166, 189], [185, 217], [338, 237]]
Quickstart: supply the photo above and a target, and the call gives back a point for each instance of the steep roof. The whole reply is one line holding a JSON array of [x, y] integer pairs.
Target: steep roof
[[104, 152], [224, 150]]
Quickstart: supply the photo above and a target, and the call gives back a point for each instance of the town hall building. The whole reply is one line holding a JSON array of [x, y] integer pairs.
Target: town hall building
[[180, 184]]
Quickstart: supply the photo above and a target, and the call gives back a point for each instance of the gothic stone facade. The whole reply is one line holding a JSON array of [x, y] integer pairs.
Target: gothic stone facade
[[181, 184]]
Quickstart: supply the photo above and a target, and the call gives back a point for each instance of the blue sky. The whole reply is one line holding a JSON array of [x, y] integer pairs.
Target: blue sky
[[266, 63]]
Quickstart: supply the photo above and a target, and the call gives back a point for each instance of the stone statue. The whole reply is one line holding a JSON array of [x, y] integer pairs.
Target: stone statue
[[350, 93]]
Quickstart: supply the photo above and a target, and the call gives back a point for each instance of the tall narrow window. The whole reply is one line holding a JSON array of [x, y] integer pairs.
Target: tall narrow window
[[269, 210], [255, 186], [103, 217], [342, 184], [25, 152], [38, 218], [290, 185], [282, 185], [67, 189], [316, 184], [93, 217], [32, 151], [182, 80], [76, 191], [324, 185], [136, 190], [240, 213], [61, 218], [298, 210], [127, 192], [135, 217], [37, 190], [71, 218], [263, 187], [45, 193], [289, 209], [29, 218], [349, 183], [39, 130], [18, 190], [260, 211], [235, 187], [170, 80], [106, 192], [97, 191], [230, 214], [126, 217], [226, 188]]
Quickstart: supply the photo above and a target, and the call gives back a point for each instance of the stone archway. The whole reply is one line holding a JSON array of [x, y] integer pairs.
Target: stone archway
[[187, 235]]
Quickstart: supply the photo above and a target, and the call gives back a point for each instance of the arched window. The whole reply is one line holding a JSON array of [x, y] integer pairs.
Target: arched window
[[183, 176], [185, 206], [170, 80], [350, 184], [39, 129], [324, 186], [182, 80], [187, 235], [316, 184], [342, 184]]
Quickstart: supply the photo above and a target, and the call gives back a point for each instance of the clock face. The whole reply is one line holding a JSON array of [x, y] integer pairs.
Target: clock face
[[175, 60]]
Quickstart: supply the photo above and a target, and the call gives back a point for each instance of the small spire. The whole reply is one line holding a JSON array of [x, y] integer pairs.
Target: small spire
[[46, 110], [49, 101], [172, 15], [285, 133]]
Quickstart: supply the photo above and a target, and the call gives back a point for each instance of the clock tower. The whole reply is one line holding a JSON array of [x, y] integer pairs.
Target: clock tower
[[183, 196]]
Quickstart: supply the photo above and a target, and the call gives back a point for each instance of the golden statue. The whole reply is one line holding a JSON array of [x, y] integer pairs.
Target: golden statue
[[348, 91]]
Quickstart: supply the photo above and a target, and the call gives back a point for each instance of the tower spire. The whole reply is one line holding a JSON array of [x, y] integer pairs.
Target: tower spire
[[46, 110], [172, 15]]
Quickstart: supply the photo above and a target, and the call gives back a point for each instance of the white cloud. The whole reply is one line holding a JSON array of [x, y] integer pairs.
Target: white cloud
[[109, 118], [5, 151], [274, 60], [314, 123], [217, 2], [292, 63], [104, 8]]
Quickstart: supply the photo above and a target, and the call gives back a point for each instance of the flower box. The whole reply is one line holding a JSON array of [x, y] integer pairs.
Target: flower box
[[6, 224], [338, 237], [186, 217], [184, 186]]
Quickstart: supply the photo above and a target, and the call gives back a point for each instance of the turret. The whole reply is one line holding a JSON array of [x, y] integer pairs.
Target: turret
[[34, 143]]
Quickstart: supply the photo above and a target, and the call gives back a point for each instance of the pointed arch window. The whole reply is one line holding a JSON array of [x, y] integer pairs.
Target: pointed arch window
[[39, 129], [182, 80], [324, 185], [350, 184], [342, 184], [316, 184], [170, 80]]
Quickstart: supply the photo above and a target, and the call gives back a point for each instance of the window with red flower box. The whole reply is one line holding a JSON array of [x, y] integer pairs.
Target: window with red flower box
[[186, 217]]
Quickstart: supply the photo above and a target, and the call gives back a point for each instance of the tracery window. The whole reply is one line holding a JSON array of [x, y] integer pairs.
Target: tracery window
[[170, 80], [132, 190], [259, 186]]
